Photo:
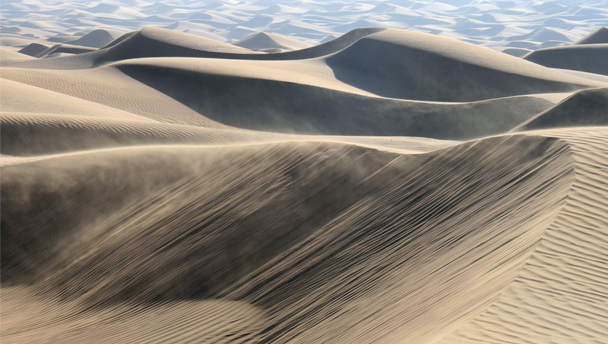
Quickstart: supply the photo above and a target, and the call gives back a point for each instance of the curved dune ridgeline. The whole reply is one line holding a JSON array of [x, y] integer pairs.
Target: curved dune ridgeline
[[568, 113], [169, 188], [384, 206]]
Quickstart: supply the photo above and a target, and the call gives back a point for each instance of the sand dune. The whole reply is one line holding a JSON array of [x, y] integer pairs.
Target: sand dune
[[258, 95], [567, 113], [426, 61], [154, 42], [269, 42], [34, 49], [536, 301], [107, 87], [262, 96], [165, 187], [583, 57], [9, 55], [598, 36], [397, 245], [96, 38]]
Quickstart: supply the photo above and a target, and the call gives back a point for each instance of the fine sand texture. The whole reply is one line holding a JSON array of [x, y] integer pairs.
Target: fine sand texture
[[385, 186]]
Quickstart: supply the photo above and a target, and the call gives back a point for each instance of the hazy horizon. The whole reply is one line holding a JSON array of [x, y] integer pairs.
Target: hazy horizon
[[504, 24]]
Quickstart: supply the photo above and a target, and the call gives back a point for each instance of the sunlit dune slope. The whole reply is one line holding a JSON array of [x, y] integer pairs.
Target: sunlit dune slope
[[560, 293], [107, 88], [10, 55], [30, 135]]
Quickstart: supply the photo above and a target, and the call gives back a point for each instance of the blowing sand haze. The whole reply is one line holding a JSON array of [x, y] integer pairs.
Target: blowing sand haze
[[216, 172]]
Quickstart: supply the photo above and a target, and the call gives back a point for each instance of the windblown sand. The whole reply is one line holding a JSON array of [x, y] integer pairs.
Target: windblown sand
[[388, 186]]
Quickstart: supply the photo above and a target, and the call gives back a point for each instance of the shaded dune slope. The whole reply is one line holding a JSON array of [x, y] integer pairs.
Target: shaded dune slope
[[343, 223], [583, 57], [412, 65], [583, 108], [280, 96], [269, 41], [598, 36], [34, 49], [265, 96], [95, 39]]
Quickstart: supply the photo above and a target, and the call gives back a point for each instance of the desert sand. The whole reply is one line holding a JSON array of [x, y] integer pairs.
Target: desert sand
[[248, 172]]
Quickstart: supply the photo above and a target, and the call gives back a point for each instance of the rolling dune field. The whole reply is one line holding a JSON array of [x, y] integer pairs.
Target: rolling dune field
[[250, 182]]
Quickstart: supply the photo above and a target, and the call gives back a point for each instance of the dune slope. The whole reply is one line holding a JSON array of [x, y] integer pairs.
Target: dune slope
[[420, 66], [598, 36], [584, 108], [384, 207], [168, 188], [583, 57], [296, 96], [561, 291]]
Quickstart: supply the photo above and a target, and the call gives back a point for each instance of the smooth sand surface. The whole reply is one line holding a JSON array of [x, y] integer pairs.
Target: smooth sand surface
[[582, 57], [388, 186], [271, 42]]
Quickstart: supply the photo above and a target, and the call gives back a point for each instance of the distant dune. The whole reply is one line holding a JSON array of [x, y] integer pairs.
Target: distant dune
[[270, 42], [260, 95], [409, 184], [584, 57], [582, 109], [418, 66], [96, 38], [599, 36]]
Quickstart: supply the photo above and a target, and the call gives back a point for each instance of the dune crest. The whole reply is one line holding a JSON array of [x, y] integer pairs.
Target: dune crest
[[384, 186], [270, 42], [599, 36]]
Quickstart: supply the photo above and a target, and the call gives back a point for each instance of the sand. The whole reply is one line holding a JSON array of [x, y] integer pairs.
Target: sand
[[386, 186]]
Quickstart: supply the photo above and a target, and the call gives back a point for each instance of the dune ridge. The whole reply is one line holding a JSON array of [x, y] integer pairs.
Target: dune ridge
[[259, 95], [567, 113], [544, 162], [566, 252], [170, 188], [378, 176], [269, 42], [598, 36], [582, 57]]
